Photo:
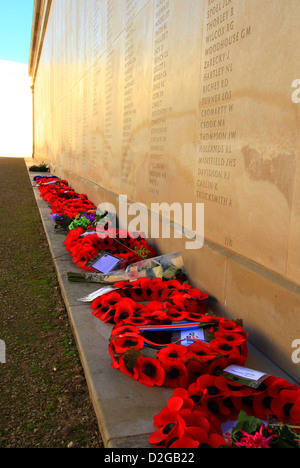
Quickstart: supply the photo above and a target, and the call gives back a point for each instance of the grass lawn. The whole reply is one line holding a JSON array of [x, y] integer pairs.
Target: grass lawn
[[44, 400]]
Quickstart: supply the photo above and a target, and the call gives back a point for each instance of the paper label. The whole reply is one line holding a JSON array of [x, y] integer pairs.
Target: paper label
[[105, 263], [191, 335], [245, 372]]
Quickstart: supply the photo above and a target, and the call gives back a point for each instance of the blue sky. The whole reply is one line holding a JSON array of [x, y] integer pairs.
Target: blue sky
[[15, 29]]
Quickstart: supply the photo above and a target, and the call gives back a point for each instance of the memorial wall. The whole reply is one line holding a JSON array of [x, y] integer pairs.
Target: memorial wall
[[182, 103]]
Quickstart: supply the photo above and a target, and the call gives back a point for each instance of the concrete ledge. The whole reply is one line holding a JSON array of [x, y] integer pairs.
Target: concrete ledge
[[124, 408]]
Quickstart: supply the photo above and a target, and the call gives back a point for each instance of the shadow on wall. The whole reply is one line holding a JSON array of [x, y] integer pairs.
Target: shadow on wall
[[15, 110]]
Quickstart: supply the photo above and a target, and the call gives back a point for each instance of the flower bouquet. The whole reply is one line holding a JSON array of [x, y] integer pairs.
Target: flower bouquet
[[167, 267], [39, 168], [251, 432]]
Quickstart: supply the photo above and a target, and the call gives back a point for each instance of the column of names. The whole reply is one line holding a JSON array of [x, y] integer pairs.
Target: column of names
[[129, 105], [161, 108], [215, 159]]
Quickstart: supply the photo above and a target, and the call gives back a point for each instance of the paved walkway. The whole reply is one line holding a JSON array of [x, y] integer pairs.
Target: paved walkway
[[124, 408]]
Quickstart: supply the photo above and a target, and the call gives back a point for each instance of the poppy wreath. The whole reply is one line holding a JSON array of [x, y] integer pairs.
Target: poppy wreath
[[167, 301], [121, 244], [194, 416], [67, 203], [44, 178], [50, 192], [63, 199], [174, 364], [72, 208]]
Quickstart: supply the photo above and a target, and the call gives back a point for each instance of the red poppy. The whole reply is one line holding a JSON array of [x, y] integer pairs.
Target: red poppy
[[126, 369], [154, 309], [175, 315], [224, 348], [231, 387], [124, 342], [172, 352], [201, 351], [286, 406], [175, 374], [109, 299], [150, 371], [123, 310], [172, 428], [229, 325], [221, 362], [136, 319], [275, 385], [122, 329], [234, 339]]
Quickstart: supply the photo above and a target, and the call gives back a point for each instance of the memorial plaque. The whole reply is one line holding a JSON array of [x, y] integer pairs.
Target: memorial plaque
[[184, 101], [163, 93], [176, 37], [247, 126]]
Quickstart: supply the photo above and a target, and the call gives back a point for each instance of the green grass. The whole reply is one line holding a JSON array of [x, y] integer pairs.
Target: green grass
[[42, 372]]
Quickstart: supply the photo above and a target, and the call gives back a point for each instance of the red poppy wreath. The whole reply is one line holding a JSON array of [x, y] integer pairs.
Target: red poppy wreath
[[166, 301], [175, 355], [196, 417], [121, 244]]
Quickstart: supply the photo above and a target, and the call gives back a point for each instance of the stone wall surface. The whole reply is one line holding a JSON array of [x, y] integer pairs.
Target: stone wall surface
[[188, 102]]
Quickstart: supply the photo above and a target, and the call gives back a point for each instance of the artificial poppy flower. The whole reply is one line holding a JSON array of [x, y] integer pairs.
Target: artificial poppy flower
[[222, 347], [173, 428], [154, 309], [105, 314], [123, 342], [153, 290], [195, 369], [275, 385], [234, 339], [150, 371], [181, 399], [175, 374], [172, 352], [286, 406], [174, 315], [221, 362], [176, 404], [201, 384], [229, 325], [122, 329], [231, 387], [123, 311], [108, 299], [136, 319], [244, 403], [201, 351], [127, 369], [262, 405]]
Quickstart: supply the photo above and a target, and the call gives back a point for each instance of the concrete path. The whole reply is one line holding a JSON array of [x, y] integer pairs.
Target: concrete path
[[124, 408]]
